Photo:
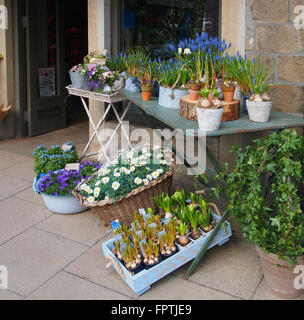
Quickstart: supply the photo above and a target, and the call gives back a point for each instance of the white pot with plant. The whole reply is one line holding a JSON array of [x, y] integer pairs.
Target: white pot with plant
[[259, 104], [209, 113]]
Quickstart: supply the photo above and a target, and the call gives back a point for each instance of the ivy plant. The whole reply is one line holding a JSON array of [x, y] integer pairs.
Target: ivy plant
[[263, 192]]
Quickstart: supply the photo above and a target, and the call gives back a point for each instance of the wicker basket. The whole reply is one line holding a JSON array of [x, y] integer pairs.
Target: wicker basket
[[124, 209]]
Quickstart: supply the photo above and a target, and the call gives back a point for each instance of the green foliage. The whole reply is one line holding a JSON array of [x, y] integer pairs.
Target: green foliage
[[54, 158], [163, 202], [192, 215], [263, 193], [204, 214], [182, 228], [180, 198]]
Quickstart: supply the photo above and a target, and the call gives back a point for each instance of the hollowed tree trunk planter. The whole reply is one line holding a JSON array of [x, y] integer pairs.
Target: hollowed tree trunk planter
[[279, 279]]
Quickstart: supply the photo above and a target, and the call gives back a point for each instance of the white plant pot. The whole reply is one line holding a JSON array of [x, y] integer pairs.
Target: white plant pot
[[60, 204], [209, 119], [171, 103], [79, 81], [259, 111]]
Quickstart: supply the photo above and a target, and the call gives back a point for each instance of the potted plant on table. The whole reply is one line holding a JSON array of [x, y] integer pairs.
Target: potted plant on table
[[144, 73], [228, 84], [209, 113], [264, 198], [192, 215], [183, 240]]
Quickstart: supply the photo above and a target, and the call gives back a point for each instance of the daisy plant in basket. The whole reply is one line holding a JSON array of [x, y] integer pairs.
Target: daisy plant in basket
[[130, 171]]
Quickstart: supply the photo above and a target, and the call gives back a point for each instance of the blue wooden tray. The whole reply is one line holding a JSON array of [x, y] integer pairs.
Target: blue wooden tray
[[141, 282]]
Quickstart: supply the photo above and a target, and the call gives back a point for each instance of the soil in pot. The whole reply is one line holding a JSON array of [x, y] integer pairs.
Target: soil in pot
[[207, 229], [228, 92], [280, 279]]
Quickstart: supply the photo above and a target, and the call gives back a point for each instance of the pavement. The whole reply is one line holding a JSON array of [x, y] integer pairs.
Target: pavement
[[51, 257]]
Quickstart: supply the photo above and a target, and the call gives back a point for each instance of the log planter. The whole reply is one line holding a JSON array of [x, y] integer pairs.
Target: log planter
[[188, 109]]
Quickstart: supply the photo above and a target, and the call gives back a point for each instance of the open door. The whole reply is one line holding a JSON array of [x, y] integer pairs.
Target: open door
[[45, 65]]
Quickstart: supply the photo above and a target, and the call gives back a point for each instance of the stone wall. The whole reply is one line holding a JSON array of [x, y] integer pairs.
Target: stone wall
[[272, 37]]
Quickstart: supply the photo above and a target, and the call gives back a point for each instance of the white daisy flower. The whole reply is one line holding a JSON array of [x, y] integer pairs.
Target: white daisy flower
[[105, 180], [132, 169], [90, 191], [155, 174], [149, 177], [160, 171], [163, 162], [138, 180], [86, 188], [127, 171], [130, 155], [83, 187], [115, 185], [123, 169], [143, 163], [97, 183], [96, 192], [146, 182], [107, 198], [91, 199], [117, 174]]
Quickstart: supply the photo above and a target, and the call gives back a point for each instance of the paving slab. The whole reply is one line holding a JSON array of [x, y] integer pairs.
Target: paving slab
[[17, 215], [263, 293], [84, 227], [174, 288], [4, 164], [9, 295], [22, 170], [10, 186], [29, 195], [65, 286], [92, 266], [13, 156], [34, 257], [233, 268]]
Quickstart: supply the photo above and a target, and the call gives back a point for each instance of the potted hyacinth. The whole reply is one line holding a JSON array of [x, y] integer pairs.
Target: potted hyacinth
[[209, 113], [56, 187]]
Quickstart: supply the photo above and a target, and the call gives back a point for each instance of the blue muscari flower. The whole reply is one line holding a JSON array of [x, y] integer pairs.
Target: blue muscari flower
[[229, 46], [253, 60], [172, 47]]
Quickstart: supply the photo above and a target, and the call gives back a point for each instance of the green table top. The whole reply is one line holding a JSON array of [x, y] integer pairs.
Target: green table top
[[172, 118]]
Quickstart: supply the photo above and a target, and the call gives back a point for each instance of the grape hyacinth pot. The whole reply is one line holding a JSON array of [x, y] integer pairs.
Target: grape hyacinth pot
[[259, 111], [209, 119], [171, 99], [61, 204]]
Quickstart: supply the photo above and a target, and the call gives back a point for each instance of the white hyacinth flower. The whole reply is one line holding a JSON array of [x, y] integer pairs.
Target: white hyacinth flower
[[187, 51]]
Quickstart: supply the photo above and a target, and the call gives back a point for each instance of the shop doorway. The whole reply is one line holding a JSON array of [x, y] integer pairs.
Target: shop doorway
[[56, 38]]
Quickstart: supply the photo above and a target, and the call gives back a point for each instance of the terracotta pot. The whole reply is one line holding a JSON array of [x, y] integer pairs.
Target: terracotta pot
[[193, 94], [194, 86], [280, 280], [146, 92], [228, 93]]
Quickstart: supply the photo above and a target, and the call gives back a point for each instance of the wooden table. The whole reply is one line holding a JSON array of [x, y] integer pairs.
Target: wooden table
[[171, 117]]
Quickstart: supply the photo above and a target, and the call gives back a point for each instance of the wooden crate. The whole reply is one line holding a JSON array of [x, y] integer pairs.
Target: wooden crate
[[141, 282]]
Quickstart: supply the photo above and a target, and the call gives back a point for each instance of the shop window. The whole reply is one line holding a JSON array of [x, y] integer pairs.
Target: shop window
[[154, 24]]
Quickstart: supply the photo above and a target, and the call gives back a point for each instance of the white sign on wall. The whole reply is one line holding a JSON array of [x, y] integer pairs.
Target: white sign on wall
[[47, 82]]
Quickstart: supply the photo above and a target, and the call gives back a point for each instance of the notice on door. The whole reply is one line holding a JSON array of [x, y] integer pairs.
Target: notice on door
[[47, 82]]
